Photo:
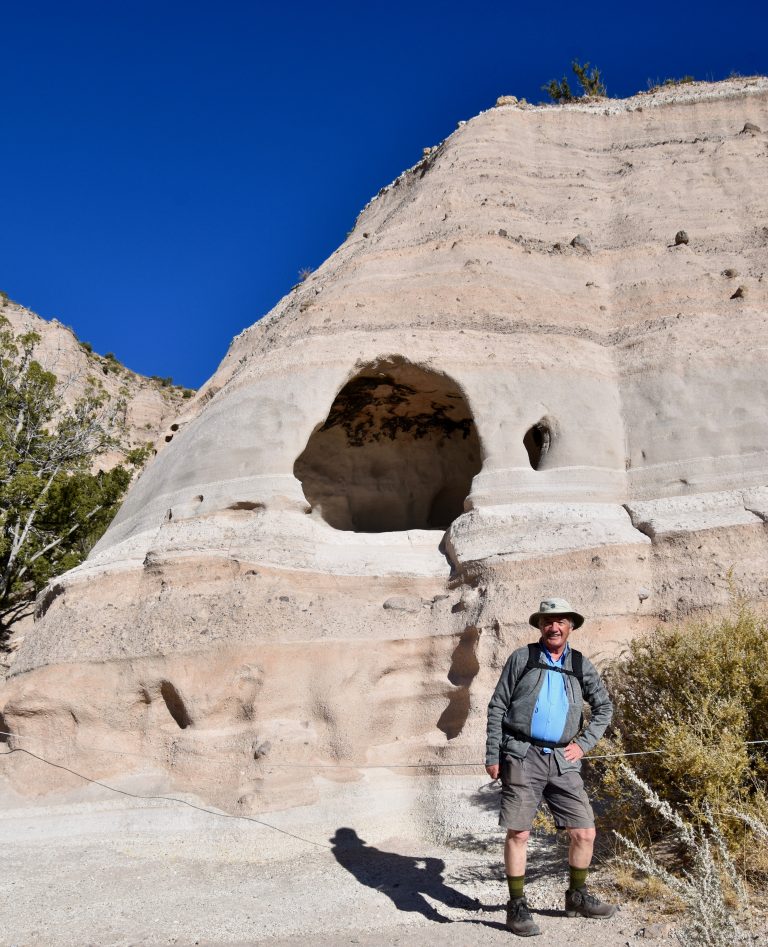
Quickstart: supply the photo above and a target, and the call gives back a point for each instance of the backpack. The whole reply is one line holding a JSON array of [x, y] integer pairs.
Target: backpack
[[577, 663]]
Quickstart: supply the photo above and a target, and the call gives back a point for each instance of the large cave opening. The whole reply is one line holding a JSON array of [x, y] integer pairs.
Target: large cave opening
[[398, 451]]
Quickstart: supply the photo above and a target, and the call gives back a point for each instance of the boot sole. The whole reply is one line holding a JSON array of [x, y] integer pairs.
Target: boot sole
[[592, 917]]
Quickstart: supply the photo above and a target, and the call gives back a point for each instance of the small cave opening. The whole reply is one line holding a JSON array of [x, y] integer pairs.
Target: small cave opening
[[537, 442], [5, 733], [398, 451], [175, 704]]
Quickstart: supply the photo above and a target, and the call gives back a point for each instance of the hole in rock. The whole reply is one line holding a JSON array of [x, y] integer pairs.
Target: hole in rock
[[4, 731], [175, 704], [398, 451], [537, 441], [246, 505]]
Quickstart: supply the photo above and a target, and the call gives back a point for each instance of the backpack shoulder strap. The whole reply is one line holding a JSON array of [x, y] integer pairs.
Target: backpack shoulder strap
[[577, 663], [533, 658], [531, 663]]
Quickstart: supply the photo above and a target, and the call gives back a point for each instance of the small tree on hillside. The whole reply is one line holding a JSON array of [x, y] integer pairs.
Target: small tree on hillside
[[52, 509], [589, 79]]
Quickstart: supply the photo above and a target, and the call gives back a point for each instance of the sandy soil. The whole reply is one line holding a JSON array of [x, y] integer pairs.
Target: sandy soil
[[102, 869]]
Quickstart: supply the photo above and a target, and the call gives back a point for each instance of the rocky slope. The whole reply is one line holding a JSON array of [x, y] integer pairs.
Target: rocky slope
[[150, 407], [516, 377]]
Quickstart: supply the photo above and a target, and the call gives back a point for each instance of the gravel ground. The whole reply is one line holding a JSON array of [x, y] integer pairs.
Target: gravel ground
[[100, 869]]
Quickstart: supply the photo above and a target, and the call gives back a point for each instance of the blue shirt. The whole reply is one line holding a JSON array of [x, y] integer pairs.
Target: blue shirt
[[551, 710]]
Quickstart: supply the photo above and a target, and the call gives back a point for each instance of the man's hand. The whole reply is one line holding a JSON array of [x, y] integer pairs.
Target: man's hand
[[493, 771], [572, 752]]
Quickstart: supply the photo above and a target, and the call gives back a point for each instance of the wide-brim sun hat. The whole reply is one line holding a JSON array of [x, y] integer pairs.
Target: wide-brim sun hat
[[555, 606]]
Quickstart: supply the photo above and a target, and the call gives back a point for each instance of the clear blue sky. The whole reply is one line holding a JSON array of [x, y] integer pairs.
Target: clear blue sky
[[166, 168]]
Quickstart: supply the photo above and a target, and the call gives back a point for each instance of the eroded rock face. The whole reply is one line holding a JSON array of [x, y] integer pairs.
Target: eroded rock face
[[462, 410]]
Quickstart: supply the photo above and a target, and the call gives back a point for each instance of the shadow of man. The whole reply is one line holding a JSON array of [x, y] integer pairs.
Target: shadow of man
[[402, 878]]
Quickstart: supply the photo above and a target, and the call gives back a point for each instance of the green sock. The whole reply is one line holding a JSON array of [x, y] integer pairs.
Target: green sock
[[578, 877], [516, 884]]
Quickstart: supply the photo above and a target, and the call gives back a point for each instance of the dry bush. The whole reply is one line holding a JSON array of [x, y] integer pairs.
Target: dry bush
[[709, 889], [696, 695]]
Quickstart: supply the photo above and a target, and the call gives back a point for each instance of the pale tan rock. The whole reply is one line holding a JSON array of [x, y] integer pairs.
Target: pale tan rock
[[150, 409], [512, 415]]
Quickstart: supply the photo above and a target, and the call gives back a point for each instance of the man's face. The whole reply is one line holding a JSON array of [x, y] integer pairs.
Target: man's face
[[554, 631]]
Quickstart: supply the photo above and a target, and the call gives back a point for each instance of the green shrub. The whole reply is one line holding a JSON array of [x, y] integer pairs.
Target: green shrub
[[589, 79], [87, 346], [694, 695], [559, 91], [138, 456]]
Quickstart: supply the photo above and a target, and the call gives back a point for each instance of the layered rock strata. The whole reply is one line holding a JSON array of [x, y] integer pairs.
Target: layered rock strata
[[510, 380]]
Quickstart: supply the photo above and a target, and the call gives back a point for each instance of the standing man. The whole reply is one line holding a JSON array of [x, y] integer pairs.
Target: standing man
[[535, 743]]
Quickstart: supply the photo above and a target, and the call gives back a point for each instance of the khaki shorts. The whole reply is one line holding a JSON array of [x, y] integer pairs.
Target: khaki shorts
[[525, 782]]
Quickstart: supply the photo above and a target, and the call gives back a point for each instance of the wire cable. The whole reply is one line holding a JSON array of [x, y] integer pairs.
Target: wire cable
[[182, 802], [425, 764], [268, 825]]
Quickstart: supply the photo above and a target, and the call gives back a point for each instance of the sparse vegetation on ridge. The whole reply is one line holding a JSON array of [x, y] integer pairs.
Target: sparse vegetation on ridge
[[655, 84], [589, 78]]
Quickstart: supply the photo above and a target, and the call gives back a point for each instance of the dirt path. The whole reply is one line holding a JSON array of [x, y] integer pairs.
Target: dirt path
[[109, 870]]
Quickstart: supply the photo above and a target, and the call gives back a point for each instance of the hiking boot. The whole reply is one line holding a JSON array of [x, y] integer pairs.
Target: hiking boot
[[580, 901], [519, 919]]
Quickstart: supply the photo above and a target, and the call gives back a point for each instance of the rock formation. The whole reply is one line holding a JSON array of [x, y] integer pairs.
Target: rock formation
[[150, 408], [511, 379]]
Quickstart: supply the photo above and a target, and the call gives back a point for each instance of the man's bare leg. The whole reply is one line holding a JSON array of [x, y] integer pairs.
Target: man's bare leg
[[515, 852], [581, 847]]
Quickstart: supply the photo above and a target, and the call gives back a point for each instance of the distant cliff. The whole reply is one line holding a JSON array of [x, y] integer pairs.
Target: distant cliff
[[151, 404]]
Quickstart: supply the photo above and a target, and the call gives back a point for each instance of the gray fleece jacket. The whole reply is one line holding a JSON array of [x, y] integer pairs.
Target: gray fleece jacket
[[511, 709]]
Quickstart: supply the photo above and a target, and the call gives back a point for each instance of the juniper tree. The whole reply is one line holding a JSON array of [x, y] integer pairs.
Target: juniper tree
[[52, 507]]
